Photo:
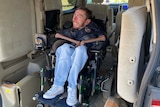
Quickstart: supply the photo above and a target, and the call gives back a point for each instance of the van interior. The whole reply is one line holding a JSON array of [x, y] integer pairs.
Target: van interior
[[20, 62]]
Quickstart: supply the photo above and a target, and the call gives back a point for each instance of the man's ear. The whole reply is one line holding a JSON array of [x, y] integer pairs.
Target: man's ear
[[88, 21]]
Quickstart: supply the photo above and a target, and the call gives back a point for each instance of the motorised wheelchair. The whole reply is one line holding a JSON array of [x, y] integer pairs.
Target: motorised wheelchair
[[88, 81]]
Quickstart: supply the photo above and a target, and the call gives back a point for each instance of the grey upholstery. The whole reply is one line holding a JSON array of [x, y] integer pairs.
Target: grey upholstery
[[133, 28], [103, 12]]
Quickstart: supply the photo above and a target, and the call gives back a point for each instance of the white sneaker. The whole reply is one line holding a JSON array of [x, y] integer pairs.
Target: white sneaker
[[53, 92], [72, 97]]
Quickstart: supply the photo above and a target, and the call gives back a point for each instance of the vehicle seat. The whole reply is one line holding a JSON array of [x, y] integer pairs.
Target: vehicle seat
[[131, 52], [118, 27], [96, 7], [104, 13], [46, 11], [53, 11]]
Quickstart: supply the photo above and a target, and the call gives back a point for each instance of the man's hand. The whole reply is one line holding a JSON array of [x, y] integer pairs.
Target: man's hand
[[58, 35], [82, 42], [78, 43]]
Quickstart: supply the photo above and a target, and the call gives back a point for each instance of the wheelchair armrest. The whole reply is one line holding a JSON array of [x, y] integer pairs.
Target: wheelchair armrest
[[56, 44], [97, 47]]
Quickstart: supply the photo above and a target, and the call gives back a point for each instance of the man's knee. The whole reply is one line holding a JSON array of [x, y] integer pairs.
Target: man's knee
[[81, 50], [65, 46], [65, 49]]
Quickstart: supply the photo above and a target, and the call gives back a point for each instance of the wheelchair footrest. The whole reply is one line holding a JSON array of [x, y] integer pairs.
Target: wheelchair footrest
[[62, 103], [58, 101], [50, 102]]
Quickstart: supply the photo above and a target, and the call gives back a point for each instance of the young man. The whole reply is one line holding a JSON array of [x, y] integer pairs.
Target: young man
[[71, 58]]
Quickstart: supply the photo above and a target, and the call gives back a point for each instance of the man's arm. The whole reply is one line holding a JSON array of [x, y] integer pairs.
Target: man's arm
[[58, 35], [100, 38]]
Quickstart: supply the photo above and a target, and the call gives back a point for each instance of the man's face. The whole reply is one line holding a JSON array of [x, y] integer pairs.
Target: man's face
[[79, 19]]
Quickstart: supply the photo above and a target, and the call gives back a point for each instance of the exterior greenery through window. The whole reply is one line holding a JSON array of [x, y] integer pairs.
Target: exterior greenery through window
[[68, 4]]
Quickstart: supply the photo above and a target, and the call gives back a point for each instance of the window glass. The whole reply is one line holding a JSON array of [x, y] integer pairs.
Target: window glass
[[116, 1], [89, 1], [68, 4], [110, 1]]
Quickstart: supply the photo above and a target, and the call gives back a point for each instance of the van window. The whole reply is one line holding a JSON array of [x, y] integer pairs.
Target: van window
[[116, 1], [68, 4], [110, 1]]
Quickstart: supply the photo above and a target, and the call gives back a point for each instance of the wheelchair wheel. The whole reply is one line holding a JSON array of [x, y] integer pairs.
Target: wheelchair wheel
[[40, 105], [85, 91]]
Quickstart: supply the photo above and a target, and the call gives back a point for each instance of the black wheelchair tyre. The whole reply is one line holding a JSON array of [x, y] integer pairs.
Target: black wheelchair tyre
[[40, 105]]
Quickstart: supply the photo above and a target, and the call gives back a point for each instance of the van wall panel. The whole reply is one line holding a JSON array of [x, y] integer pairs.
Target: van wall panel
[[17, 27]]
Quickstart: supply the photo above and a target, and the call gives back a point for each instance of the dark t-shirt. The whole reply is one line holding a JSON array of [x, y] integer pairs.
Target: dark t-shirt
[[88, 32]]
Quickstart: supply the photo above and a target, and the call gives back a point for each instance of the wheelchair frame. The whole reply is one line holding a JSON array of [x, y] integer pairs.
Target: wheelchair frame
[[84, 80]]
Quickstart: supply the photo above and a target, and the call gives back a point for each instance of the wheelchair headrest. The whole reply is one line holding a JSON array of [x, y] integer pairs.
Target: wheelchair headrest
[[67, 25]]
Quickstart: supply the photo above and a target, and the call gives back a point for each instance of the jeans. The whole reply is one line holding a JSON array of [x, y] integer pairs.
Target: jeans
[[69, 62]]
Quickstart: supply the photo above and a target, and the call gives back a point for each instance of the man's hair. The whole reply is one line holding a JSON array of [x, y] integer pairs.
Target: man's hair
[[88, 12]]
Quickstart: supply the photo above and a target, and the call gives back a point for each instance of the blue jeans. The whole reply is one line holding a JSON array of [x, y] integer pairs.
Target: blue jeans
[[69, 62]]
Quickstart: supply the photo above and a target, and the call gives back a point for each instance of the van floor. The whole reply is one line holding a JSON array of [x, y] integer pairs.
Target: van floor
[[98, 100], [107, 63]]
